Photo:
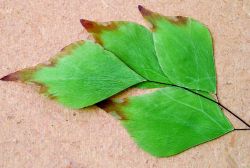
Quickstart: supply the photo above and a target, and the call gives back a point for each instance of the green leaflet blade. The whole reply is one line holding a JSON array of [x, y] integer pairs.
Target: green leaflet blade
[[149, 85], [132, 43], [81, 75], [170, 120], [184, 50]]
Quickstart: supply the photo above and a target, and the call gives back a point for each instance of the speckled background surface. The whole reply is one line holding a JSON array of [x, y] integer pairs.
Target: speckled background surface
[[37, 132]]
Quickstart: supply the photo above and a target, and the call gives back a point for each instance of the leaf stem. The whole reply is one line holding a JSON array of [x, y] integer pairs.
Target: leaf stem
[[221, 105]]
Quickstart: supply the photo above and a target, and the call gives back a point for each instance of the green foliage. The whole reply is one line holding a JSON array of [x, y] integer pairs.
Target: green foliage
[[184, 49], [130, 42], [176, 56], [170, 120], [150, 85], [81, 75]]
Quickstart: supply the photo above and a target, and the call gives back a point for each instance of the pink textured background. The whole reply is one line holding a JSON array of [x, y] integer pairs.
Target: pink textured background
[[37, 132]]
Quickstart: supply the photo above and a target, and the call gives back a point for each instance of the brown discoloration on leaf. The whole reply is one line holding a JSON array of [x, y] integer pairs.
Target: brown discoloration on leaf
[[178, 20], [11, 77], [27, 75], [43, 89], [66, 51], [98, 39], [114, 105], [88, 25], [145, 12], [149, 16], [152, 17], [97, 28], [106, 105], [22, 75]]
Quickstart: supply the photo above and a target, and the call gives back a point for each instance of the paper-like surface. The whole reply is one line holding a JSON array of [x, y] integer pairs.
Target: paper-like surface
[[38, 132]]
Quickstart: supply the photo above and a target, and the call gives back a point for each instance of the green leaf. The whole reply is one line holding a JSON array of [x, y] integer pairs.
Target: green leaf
[[177, 52], [170, 120], [81, 75], [184, 50], [150, 85], [130, 42]]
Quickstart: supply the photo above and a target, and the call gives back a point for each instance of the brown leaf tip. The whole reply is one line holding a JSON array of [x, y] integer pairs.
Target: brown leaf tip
[[150, 16], [140, 7], [22, 75], [145, 12], [11, 77], [96, 27], [87, 24]]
